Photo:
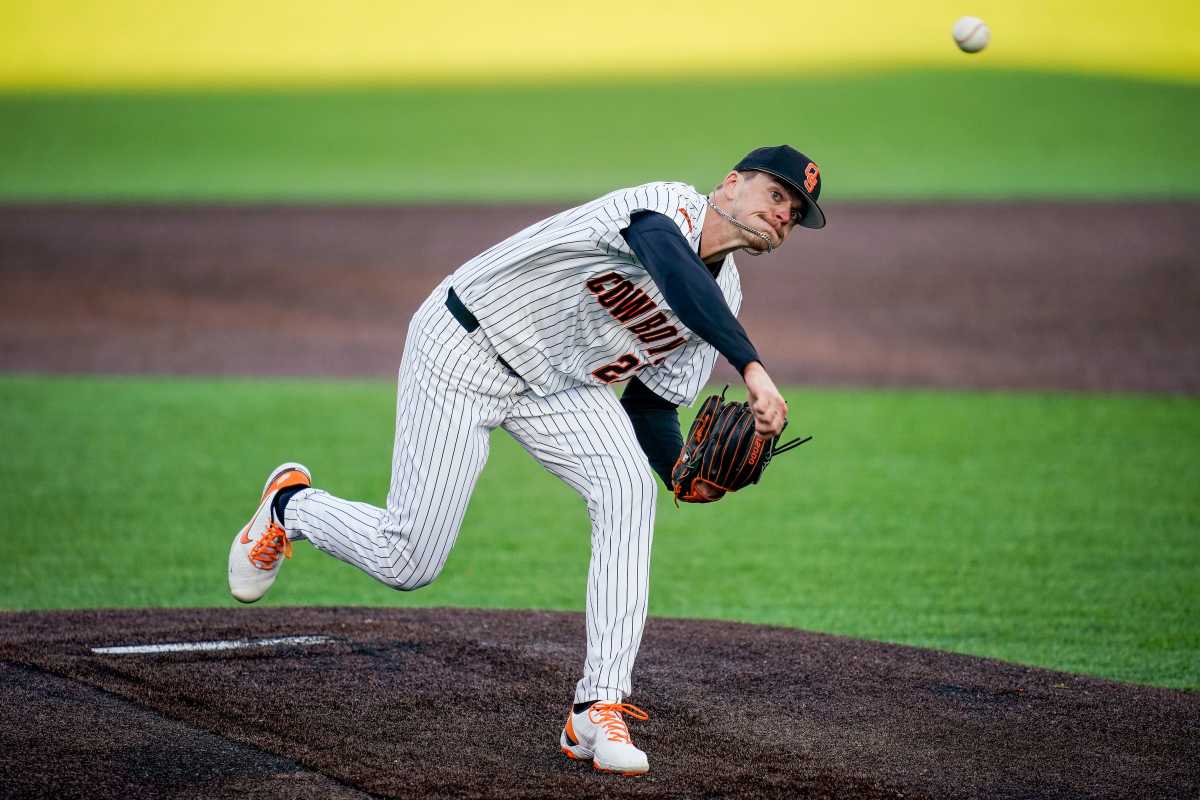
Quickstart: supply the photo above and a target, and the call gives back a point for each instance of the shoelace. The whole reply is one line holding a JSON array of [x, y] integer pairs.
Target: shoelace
[[608, 716], [269, 547]]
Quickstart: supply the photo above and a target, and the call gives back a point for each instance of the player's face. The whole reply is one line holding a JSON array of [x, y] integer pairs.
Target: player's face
[[769, 205]]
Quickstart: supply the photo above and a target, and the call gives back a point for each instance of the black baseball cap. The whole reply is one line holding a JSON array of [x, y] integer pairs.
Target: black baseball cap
[[796, 170]]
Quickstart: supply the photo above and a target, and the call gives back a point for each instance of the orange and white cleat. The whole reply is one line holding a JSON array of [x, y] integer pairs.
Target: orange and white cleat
[[259, 549], [600, 734]]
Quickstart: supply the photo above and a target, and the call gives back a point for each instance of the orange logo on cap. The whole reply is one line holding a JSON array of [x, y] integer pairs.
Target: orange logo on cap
[[811, 174]]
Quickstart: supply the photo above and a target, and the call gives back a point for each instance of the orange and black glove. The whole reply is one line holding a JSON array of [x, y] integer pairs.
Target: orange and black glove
[[722, 453]]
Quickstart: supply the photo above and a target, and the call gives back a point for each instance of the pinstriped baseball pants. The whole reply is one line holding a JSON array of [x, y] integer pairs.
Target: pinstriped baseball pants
[[452, 392]]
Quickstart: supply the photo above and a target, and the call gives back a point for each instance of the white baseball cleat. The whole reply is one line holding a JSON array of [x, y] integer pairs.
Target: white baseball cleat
[[259, 549], [600, 734]]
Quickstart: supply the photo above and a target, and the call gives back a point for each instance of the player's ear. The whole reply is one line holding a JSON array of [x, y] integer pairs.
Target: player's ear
[[730, 182]]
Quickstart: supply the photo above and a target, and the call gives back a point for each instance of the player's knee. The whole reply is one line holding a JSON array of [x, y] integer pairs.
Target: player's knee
[[411, 562], [409, 575], [408, 583], [411, 585]]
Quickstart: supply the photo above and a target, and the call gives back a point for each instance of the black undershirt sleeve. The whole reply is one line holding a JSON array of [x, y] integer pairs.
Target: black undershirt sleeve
[[687, 285], [656, 423]]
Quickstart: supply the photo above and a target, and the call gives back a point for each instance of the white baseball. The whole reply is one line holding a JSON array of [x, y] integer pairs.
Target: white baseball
[[971, 34]]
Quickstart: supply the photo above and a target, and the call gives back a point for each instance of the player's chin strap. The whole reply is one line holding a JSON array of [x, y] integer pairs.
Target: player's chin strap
[[738, 224]]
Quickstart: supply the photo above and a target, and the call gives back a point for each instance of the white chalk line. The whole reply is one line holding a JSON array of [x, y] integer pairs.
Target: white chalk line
[[189, 647]]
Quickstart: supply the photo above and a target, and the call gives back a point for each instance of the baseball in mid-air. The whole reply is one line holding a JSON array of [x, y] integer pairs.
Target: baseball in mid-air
[[971, 34]]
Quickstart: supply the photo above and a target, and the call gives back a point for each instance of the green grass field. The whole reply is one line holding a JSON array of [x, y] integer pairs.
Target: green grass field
[[1055, 530], [921, 134]]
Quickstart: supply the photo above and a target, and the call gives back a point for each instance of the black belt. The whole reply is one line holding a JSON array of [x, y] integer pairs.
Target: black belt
[[461, 312], [468, 321]]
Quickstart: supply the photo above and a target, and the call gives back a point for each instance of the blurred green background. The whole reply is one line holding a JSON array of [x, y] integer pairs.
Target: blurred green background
[[302, 101], [895, 135], [1062, 531]]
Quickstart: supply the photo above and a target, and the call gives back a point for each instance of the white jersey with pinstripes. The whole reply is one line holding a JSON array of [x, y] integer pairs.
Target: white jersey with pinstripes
[[566, 301], [569, 309]]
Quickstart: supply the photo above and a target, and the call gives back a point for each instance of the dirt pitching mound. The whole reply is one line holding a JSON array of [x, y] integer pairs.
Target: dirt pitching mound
[[456, 703]]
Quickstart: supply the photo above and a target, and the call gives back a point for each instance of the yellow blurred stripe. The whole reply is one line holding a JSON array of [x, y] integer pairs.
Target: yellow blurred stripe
[[58, 43]]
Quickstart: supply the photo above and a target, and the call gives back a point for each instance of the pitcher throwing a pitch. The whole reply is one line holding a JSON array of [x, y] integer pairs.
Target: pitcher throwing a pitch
[[637, 287]]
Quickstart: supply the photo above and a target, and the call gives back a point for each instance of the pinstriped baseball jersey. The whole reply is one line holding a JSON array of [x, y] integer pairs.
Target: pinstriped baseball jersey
[[554, 314], [527, 337], [566, 301]]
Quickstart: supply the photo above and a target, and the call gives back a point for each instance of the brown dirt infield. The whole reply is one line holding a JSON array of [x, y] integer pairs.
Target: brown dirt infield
[[406, 703], [1090, 297], [463, 703]]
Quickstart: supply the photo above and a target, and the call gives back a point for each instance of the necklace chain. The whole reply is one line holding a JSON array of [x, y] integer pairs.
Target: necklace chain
[[738, 224]]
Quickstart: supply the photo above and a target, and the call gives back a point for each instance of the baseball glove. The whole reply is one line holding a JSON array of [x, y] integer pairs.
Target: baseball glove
[[722, 453]]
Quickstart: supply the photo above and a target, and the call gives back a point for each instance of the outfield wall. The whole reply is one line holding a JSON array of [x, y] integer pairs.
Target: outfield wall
[[138, 43]]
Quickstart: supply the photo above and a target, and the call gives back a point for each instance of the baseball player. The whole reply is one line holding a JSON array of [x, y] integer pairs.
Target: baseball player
[[637, 287]]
